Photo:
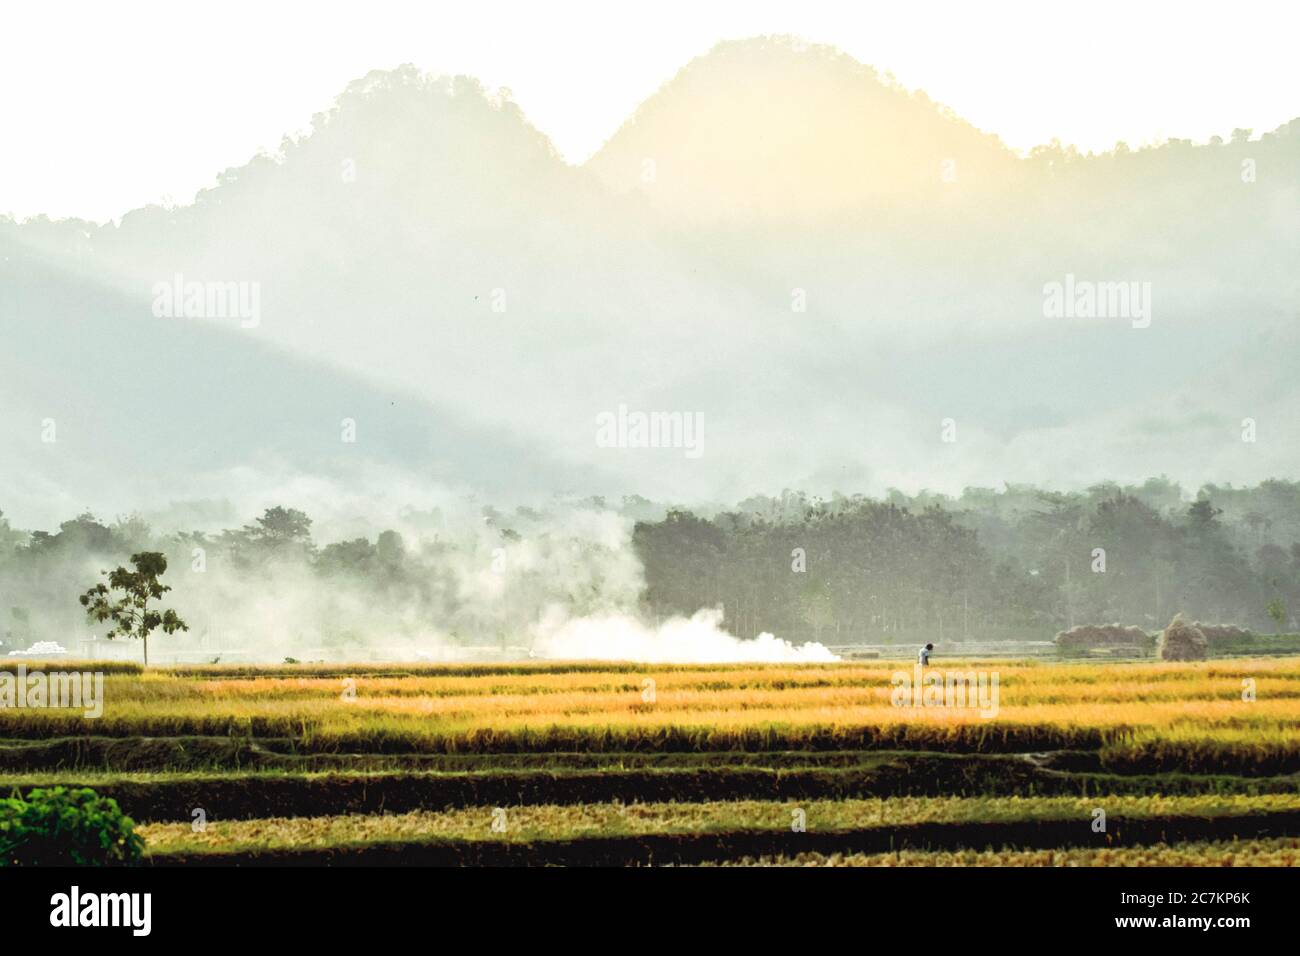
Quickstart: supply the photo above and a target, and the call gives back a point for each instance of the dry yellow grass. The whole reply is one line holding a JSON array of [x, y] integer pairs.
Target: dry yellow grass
[[527, 823], [1070, 704]]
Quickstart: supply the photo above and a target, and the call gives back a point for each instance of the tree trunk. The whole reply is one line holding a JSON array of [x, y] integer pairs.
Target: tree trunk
[[146, 651]]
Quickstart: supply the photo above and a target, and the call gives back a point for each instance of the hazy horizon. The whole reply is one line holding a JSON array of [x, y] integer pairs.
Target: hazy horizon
[[692, 242], [782, 270]]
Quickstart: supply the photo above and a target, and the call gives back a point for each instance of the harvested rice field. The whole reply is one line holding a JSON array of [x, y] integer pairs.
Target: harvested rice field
[[1066, 764]]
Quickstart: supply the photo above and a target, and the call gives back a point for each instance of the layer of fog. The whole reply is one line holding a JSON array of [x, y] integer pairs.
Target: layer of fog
[[795, 268], [454, 579]]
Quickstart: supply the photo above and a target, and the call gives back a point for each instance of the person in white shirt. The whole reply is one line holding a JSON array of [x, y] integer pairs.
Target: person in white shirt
[[923, 657]]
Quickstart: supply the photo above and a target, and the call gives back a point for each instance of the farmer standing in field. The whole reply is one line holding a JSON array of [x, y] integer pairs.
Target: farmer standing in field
[[923, 657]]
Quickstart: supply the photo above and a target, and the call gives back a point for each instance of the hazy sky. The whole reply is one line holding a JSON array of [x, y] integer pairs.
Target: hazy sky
[[106, 107]]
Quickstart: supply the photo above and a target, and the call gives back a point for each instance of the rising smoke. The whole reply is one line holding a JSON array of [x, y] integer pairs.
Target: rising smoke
[[450, 580]]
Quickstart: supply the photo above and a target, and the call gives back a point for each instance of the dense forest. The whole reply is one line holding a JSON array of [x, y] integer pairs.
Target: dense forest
[[1014, 563]]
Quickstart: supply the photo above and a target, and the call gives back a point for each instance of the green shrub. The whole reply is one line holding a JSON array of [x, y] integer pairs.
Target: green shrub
[[62, 827]]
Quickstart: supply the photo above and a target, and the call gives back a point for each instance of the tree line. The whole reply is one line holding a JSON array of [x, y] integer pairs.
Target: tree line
[[1015, 563], [1012, 563]]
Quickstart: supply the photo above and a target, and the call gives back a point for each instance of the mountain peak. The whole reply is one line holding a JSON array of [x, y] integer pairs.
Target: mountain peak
[[753, 124]]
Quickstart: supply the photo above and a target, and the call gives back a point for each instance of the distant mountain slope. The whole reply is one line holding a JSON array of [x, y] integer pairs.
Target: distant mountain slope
[[106, 404], [800, 270]]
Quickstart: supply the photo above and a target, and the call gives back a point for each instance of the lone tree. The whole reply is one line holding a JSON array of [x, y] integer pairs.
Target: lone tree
[[130, 614]]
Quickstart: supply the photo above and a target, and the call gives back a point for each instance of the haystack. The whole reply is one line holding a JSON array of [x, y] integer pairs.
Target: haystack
[[1222, 633], [1181, 641], [1087, 636]]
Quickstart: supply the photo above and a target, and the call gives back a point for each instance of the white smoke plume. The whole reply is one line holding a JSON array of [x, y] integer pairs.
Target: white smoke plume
[[470, 582], [679, 640]]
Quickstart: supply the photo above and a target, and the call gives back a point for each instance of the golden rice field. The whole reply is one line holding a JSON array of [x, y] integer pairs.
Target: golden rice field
[[1114, 701], [1192, 763]]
